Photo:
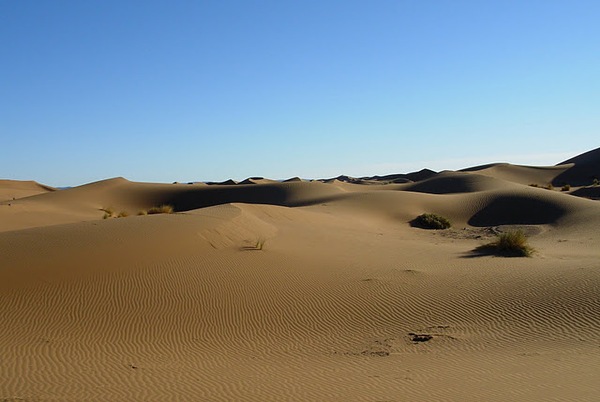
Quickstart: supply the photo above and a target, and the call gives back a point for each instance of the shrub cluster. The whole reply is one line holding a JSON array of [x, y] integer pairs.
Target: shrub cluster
[[433, 221], [163, 209]]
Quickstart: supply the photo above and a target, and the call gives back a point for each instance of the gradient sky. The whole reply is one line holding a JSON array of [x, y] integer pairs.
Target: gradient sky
[[208, 90]]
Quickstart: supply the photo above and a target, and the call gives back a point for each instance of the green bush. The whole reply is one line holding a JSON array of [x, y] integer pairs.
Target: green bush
[[433, 221]]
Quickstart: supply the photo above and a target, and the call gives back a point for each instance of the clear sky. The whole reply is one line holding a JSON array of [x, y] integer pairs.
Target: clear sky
[[208, 90]]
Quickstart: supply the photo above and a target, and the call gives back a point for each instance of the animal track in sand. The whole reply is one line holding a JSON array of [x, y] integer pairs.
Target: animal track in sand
[[379, 348], [375, 348], [384, 347], [425, 335]]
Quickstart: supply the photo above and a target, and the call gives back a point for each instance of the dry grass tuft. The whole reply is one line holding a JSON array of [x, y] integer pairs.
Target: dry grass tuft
[[510, 244], [108, 212], [163, 209]]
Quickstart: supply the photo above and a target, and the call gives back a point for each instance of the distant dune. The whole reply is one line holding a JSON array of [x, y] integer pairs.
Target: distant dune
[[303, 290], [13, 189]]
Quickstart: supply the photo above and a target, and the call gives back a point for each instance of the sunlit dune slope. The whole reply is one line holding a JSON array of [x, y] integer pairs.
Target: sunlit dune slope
[[301, 290], [14, 189]]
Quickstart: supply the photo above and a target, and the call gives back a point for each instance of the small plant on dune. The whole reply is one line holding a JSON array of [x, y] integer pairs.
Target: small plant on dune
[[596, 182], [566, 187], [550, 186], [108, 212], [433, 221], [163, 209], [510, 244], [533, 185], [111, 213], [258, 244], [142, 212]]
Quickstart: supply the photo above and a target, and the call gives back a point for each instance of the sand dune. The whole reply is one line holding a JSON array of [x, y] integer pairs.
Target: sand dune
[[540, 175], [13, 189], [302, 290], [581, 170]]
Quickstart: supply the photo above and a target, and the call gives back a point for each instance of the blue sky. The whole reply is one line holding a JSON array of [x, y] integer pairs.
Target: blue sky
[[208, 90]]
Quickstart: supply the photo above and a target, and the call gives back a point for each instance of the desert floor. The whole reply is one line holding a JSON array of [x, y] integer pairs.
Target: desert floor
[[302, 291]]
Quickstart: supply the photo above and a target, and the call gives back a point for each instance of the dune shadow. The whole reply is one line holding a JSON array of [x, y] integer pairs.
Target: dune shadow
[[267, 194], [593, 193], [578, 175], [487, 250], [478, 252], [445, 185], [517, 210]]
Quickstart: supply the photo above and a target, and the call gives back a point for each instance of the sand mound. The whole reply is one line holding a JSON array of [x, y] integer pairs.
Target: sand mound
[[15, 189], [257, 180], [299, 291], [537, 175], [580, 170], [454, 182], [90, 201], [513, 209], [387, 179]]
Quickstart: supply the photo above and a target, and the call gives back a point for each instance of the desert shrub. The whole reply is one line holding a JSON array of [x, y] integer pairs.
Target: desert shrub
[[142, 212], [596, 182], [163, 209], [566, 187], [550, 186], [123, 214], [512, 243], [533, 185], [432, 221], [108, 212]]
